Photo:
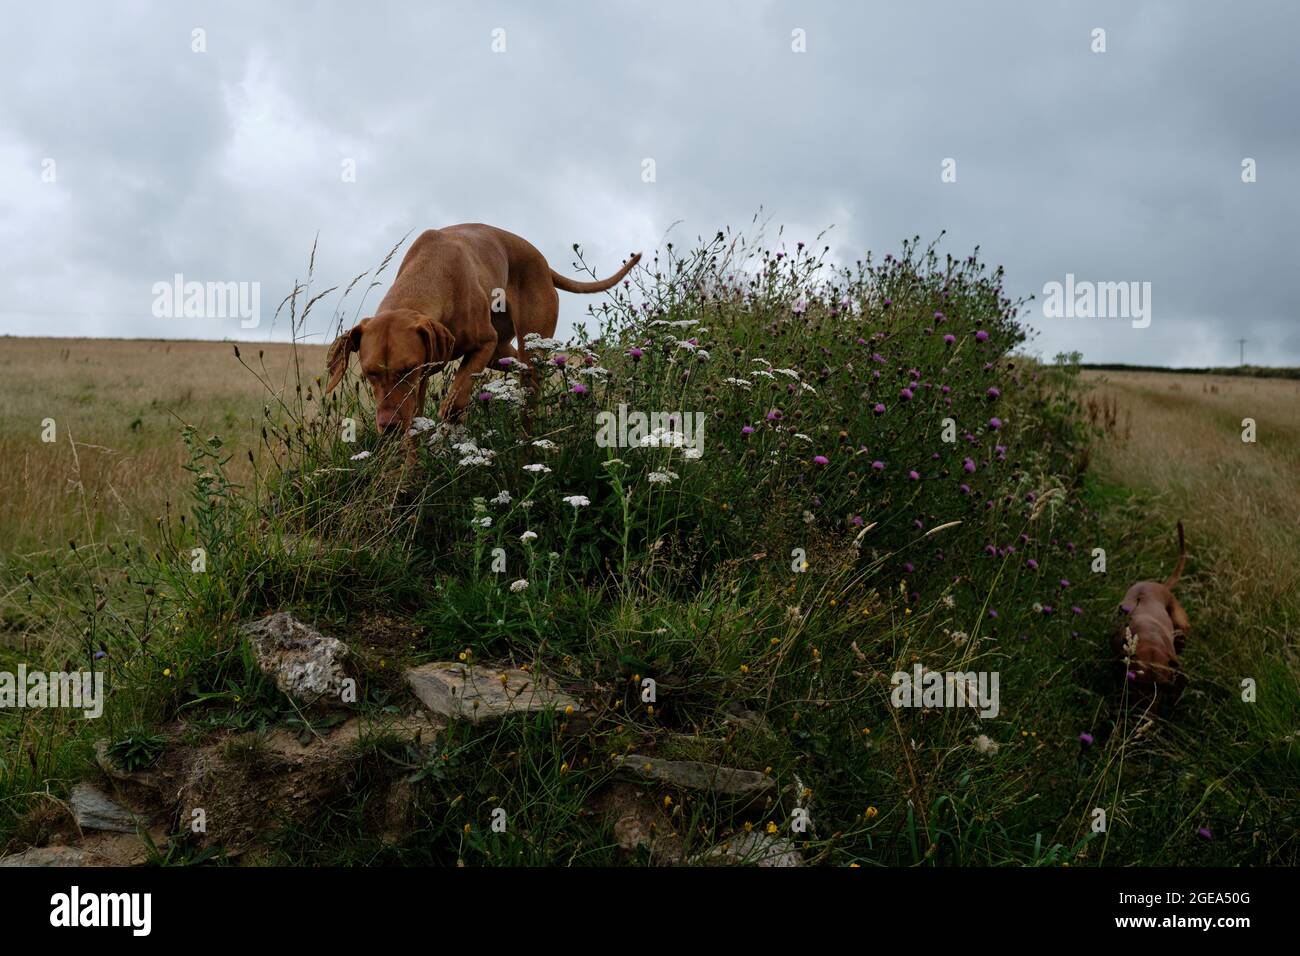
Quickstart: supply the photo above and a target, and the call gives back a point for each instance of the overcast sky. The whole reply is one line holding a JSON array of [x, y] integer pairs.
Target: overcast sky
[[225, 164]]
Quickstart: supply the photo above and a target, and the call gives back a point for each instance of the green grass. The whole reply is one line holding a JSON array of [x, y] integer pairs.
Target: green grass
[[762, 577]]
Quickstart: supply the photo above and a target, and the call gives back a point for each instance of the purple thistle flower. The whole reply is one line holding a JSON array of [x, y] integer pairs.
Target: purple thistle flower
[[994, 392], [1085, 738], [993, 612], [1205, 834], [1033, 565], [909, 567], [747, 430], [879, 409], [1076, 609], [964, 489], [981, 336], [1064, 583], [635, 353], [485, 396], [995, 424], [878, 465], [914, 476], [560, 360], [579, 389], [905, 394], [821, 460], [968, 466], [949, 338]]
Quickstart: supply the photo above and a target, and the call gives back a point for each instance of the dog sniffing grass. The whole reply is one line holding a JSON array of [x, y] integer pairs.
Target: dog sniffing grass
[[825, 537]]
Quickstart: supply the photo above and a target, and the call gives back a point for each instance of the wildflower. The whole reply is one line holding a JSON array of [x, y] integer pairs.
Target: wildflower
[[635, 353], [661, 477], [560, 360], [995, 424], [949, 339], [968, 466], [520, 585], [744, 668], [1076, 609], [879, 409], [981, 336], [872, 813], [528, 536], [821, 460], [360, 455], [747, 430], [1064, 583], [1032, 564], [914, 476], [878, 466], [905, 394], [771, 828], [1204, 833], [503, 498], [1085, 738], [577, 501], [993, 392], [579, 389], [537, 468], [985, 745]]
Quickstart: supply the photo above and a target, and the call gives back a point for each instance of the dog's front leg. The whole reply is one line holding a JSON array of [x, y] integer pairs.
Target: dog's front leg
[[453, 407]]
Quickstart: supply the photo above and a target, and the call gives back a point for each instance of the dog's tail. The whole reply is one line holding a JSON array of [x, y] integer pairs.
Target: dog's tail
[[1182, 558], [572, 285]]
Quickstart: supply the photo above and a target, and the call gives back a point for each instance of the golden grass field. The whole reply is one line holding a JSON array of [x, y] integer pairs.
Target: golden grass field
[[1179, 437], [118, 407]]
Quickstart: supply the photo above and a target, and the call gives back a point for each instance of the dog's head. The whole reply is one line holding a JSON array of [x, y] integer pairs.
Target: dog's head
[[396, 349]]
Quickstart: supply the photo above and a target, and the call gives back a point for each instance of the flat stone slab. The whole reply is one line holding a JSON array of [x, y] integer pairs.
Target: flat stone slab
[[94, 810], [306, 665], [481, 694], [693, 775], [751, 849], [47, 856]]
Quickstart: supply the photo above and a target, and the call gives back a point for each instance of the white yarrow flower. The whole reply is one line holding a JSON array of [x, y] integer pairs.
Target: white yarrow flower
[[528, 536], [537, 468], [520, 585], [577, 501], [360, 455]]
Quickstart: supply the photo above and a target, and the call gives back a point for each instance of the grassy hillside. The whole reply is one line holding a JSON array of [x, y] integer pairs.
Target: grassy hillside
[[881, 484]]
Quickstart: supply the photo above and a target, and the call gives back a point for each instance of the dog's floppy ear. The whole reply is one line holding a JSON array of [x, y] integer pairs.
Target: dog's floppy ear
[[343, 346], [439, 342]]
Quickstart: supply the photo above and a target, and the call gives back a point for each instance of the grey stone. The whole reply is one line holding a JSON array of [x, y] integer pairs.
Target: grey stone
[[481, 694], [751, 849], [96, 811], [693, 775], [306, 664], [47, 856]]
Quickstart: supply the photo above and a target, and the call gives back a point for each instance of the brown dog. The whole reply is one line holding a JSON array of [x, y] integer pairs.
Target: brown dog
[[1153, 634], [465, 292]]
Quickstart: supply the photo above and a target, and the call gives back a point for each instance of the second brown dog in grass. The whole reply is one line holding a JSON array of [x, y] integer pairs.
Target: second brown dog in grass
[[1152, 635], [465, 292]]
